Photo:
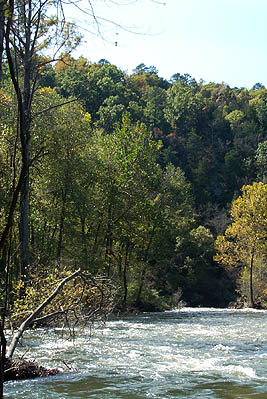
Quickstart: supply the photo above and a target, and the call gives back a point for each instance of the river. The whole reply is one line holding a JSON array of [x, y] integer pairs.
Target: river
[[189, 353]]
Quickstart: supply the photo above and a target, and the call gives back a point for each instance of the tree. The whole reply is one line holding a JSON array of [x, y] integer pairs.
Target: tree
[[183, 108], [64, 132], [143, 68], [261, 161], [92, 84], [171, 216], [28, 31], [126, 167], [244, 244], [185, 80], [87, 298]]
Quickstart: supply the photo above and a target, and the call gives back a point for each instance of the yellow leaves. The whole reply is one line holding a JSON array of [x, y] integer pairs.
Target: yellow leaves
[[5, 99], [6, 8], [4, 136], [87, 118], [249, 211], [64, 63], [235, 118], [35, 292], [42, 63], [248, 231], [46, 91], [76, 295], [226, 253]]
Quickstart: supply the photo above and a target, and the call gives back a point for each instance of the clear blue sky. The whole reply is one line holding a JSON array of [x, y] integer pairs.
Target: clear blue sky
[[213, 40]]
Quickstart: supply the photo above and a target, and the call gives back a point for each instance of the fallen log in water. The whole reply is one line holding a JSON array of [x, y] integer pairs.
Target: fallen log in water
[[16, 369]]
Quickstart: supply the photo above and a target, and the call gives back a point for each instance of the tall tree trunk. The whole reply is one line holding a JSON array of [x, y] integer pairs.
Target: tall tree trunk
[[84, 244], [251, 291], [140, 285], [95, 244], [109, 242], [4, 305], [2, 358], [25, 123], [143, 270], [2, 32], [108, 251], [60, 238], [125, 268], [61, 224], [24, 234]]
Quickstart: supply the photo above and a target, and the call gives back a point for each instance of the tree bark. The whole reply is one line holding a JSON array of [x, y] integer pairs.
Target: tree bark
[[24, 234], [108, 250], [84, 244], [125, 268], [2, 358], [25, 124], [251, 291], [143, 271], [2, 34], [12, 208], [61, 227]]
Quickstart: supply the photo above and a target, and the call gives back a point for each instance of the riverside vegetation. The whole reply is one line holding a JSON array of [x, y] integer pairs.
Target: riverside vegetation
[[135, 181], [158, 185]]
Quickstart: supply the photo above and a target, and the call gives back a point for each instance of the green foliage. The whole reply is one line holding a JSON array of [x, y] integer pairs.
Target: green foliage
[[261, 161], [150, 300], [234, 118], [124, 173], [82, 299], [183, 107]]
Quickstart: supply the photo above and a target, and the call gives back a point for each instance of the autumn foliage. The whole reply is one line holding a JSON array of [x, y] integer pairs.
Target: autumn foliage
[[243, 246]]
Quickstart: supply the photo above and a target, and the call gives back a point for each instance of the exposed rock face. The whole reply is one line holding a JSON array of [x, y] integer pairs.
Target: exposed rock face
[[16, 369]]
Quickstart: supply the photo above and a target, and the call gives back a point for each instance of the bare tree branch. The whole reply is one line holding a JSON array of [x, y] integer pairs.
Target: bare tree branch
[[55, 106], [40, 308]]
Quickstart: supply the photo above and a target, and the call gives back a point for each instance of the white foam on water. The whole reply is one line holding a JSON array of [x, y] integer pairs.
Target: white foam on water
[[223, 348], [134, 354], [240, 371], [153, 353], [216, 310]]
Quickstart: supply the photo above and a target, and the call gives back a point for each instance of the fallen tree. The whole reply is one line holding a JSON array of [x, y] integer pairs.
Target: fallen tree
[[76, 299]]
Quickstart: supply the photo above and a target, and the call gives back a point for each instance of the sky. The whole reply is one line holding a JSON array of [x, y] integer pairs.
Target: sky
[[213, 40]]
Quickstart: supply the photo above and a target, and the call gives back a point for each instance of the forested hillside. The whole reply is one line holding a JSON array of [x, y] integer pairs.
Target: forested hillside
[[132, 176]]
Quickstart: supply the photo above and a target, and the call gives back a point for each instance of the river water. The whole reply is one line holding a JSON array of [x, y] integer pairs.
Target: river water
[[188, 353]]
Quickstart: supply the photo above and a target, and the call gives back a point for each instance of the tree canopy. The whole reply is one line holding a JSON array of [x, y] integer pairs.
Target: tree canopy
[[130, 177], [243, 245]]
